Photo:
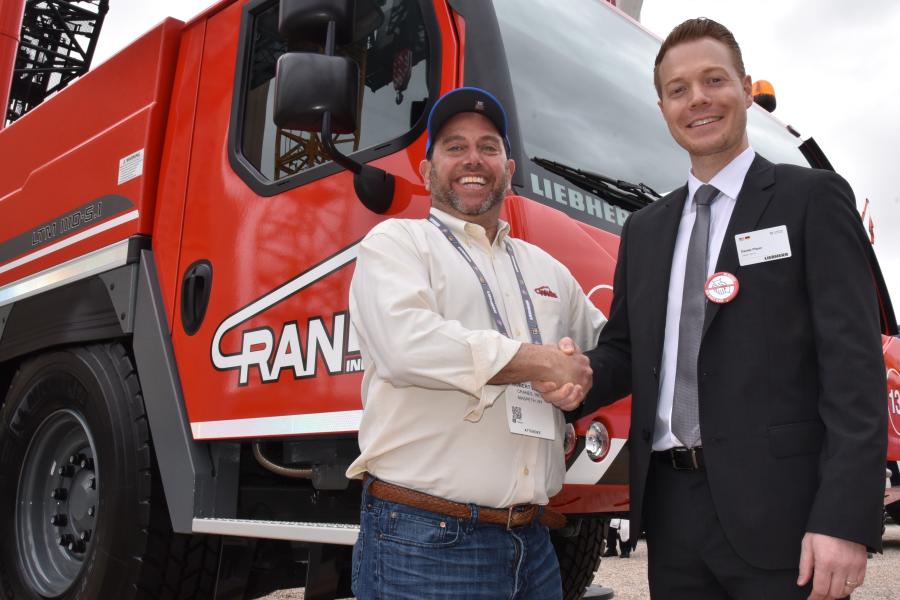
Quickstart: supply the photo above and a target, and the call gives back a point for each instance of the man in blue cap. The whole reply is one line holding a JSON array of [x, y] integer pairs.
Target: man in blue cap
[[459, 455]]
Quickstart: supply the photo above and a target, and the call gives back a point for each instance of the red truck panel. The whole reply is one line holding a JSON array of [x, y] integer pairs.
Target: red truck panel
[[892, 364], [10, 21], [62, 159], [176, 163]]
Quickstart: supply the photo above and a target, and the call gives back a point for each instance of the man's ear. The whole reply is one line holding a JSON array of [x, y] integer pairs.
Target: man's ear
[[425, 172], [511, 167], [747, 84]]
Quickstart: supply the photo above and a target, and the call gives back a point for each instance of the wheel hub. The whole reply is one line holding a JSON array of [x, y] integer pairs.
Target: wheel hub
[[82, 498], [57, 503]]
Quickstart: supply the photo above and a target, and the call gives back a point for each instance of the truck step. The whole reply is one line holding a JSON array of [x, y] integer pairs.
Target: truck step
[[322, 533]]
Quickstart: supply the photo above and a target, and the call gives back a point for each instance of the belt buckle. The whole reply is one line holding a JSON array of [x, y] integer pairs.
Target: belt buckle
[[528, 511], [692, 452]]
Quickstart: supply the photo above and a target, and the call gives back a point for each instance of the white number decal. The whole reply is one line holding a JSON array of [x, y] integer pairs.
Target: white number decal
[[894, 401]]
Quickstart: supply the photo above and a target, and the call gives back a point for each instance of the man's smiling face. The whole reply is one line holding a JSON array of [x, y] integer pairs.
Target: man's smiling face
[[468, 174], [704, 102]]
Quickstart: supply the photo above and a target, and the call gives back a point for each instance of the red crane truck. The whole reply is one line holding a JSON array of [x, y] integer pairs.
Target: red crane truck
[[176, 244]]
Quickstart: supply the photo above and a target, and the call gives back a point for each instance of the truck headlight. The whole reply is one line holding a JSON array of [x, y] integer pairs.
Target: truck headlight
[[596, 441], [569, 440]]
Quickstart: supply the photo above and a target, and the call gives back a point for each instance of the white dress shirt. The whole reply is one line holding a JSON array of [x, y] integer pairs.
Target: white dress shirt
[[729, 182], [431, 422]]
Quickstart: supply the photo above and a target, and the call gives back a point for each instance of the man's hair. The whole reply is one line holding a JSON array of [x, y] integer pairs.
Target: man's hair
[[695, 29]]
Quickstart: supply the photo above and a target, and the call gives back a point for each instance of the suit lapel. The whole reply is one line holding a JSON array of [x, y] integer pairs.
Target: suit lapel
[[754, 197], [662, 230]]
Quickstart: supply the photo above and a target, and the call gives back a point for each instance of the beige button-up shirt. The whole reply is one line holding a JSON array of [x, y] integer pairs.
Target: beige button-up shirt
[[429, 346]]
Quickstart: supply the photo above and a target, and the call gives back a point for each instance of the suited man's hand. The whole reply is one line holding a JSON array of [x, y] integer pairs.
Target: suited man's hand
[[831, 562], [566, 397]]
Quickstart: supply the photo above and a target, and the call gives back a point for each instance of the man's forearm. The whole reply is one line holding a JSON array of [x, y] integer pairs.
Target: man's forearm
[[544, 363], [530, 363]]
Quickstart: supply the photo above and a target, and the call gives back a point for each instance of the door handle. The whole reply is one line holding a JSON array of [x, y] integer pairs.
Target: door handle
[[195, 289]]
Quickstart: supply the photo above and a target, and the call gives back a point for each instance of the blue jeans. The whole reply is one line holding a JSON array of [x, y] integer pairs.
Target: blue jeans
[[407, 553]]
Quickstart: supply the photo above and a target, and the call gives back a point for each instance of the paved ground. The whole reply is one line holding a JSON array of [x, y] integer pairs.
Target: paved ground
[[628, 576]]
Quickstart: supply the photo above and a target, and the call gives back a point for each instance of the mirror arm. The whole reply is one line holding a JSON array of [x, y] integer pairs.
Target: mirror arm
[[335, 154], [330, 36]]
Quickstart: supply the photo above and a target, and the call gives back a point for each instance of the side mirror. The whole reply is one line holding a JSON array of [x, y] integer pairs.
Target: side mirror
[[308, 19], [320, 92], [309, 85]]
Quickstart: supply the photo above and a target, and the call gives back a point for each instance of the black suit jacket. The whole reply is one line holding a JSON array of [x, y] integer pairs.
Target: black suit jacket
[[791, 375]]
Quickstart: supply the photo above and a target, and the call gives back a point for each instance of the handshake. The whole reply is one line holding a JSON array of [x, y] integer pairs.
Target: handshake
[[570, 375], [561, 373]]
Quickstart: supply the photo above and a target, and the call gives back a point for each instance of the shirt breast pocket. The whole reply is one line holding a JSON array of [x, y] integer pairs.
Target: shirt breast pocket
[[550, 318]]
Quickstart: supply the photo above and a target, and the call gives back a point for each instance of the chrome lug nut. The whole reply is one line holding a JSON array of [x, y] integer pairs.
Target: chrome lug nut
[[91, 511], [87, 463], [64, 539], [76, 546], [66, 471], [59, 494], [59, 520]]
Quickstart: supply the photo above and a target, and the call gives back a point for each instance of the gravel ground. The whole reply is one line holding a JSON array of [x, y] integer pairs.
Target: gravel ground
[[628, 576]]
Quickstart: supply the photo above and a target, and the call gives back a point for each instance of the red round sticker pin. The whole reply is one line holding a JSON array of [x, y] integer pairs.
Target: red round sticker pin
[[721, 287]]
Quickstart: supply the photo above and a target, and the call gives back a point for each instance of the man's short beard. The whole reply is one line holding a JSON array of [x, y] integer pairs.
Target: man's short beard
[[446, 196]]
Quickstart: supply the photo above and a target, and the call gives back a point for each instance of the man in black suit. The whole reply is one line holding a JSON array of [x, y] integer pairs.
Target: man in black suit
[[745, 324]]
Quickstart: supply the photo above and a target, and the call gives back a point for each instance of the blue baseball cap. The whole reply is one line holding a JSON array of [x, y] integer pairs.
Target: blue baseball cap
[[465, 99]]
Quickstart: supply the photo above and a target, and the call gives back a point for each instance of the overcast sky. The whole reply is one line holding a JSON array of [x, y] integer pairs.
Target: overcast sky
[[834, 65]]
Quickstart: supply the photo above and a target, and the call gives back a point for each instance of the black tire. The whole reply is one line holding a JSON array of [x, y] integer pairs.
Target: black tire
[[86, 403], [579, 555], [893, 510]]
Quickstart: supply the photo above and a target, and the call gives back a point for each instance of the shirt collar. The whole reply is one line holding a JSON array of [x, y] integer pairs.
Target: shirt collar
[[729, 180], [461, 227]]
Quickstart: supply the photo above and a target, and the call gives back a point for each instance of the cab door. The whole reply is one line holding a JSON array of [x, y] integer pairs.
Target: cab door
[[261, 330]]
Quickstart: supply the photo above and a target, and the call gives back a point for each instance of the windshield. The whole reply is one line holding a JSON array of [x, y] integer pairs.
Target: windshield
[[582, 74]]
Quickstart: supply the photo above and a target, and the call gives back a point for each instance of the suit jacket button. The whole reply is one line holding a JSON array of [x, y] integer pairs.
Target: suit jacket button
[[655, 371]]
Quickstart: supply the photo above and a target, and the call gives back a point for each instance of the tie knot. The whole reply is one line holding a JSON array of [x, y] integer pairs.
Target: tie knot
[[705, 194]]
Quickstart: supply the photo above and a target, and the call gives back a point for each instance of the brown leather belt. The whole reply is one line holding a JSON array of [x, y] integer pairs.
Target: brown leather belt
[[514, 516]]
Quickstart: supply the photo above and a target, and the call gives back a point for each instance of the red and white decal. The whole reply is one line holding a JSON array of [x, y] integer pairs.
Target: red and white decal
[[78, 224], [330, 422], [295, 348], [893, 399]]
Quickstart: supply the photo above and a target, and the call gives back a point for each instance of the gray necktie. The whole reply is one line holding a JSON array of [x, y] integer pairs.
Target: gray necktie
[[685, 405]]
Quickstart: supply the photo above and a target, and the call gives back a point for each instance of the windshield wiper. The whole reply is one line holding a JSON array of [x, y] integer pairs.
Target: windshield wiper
[[627, 195]]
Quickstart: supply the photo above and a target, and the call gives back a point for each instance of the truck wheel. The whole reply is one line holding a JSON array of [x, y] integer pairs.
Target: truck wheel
[[579, 555], [82, 512], [893, 510]]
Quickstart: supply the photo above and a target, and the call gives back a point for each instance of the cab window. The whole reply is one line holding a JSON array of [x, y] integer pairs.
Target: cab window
[[392, 51]]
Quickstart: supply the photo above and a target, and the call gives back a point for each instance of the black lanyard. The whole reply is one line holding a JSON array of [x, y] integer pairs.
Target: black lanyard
[[530, 317]]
